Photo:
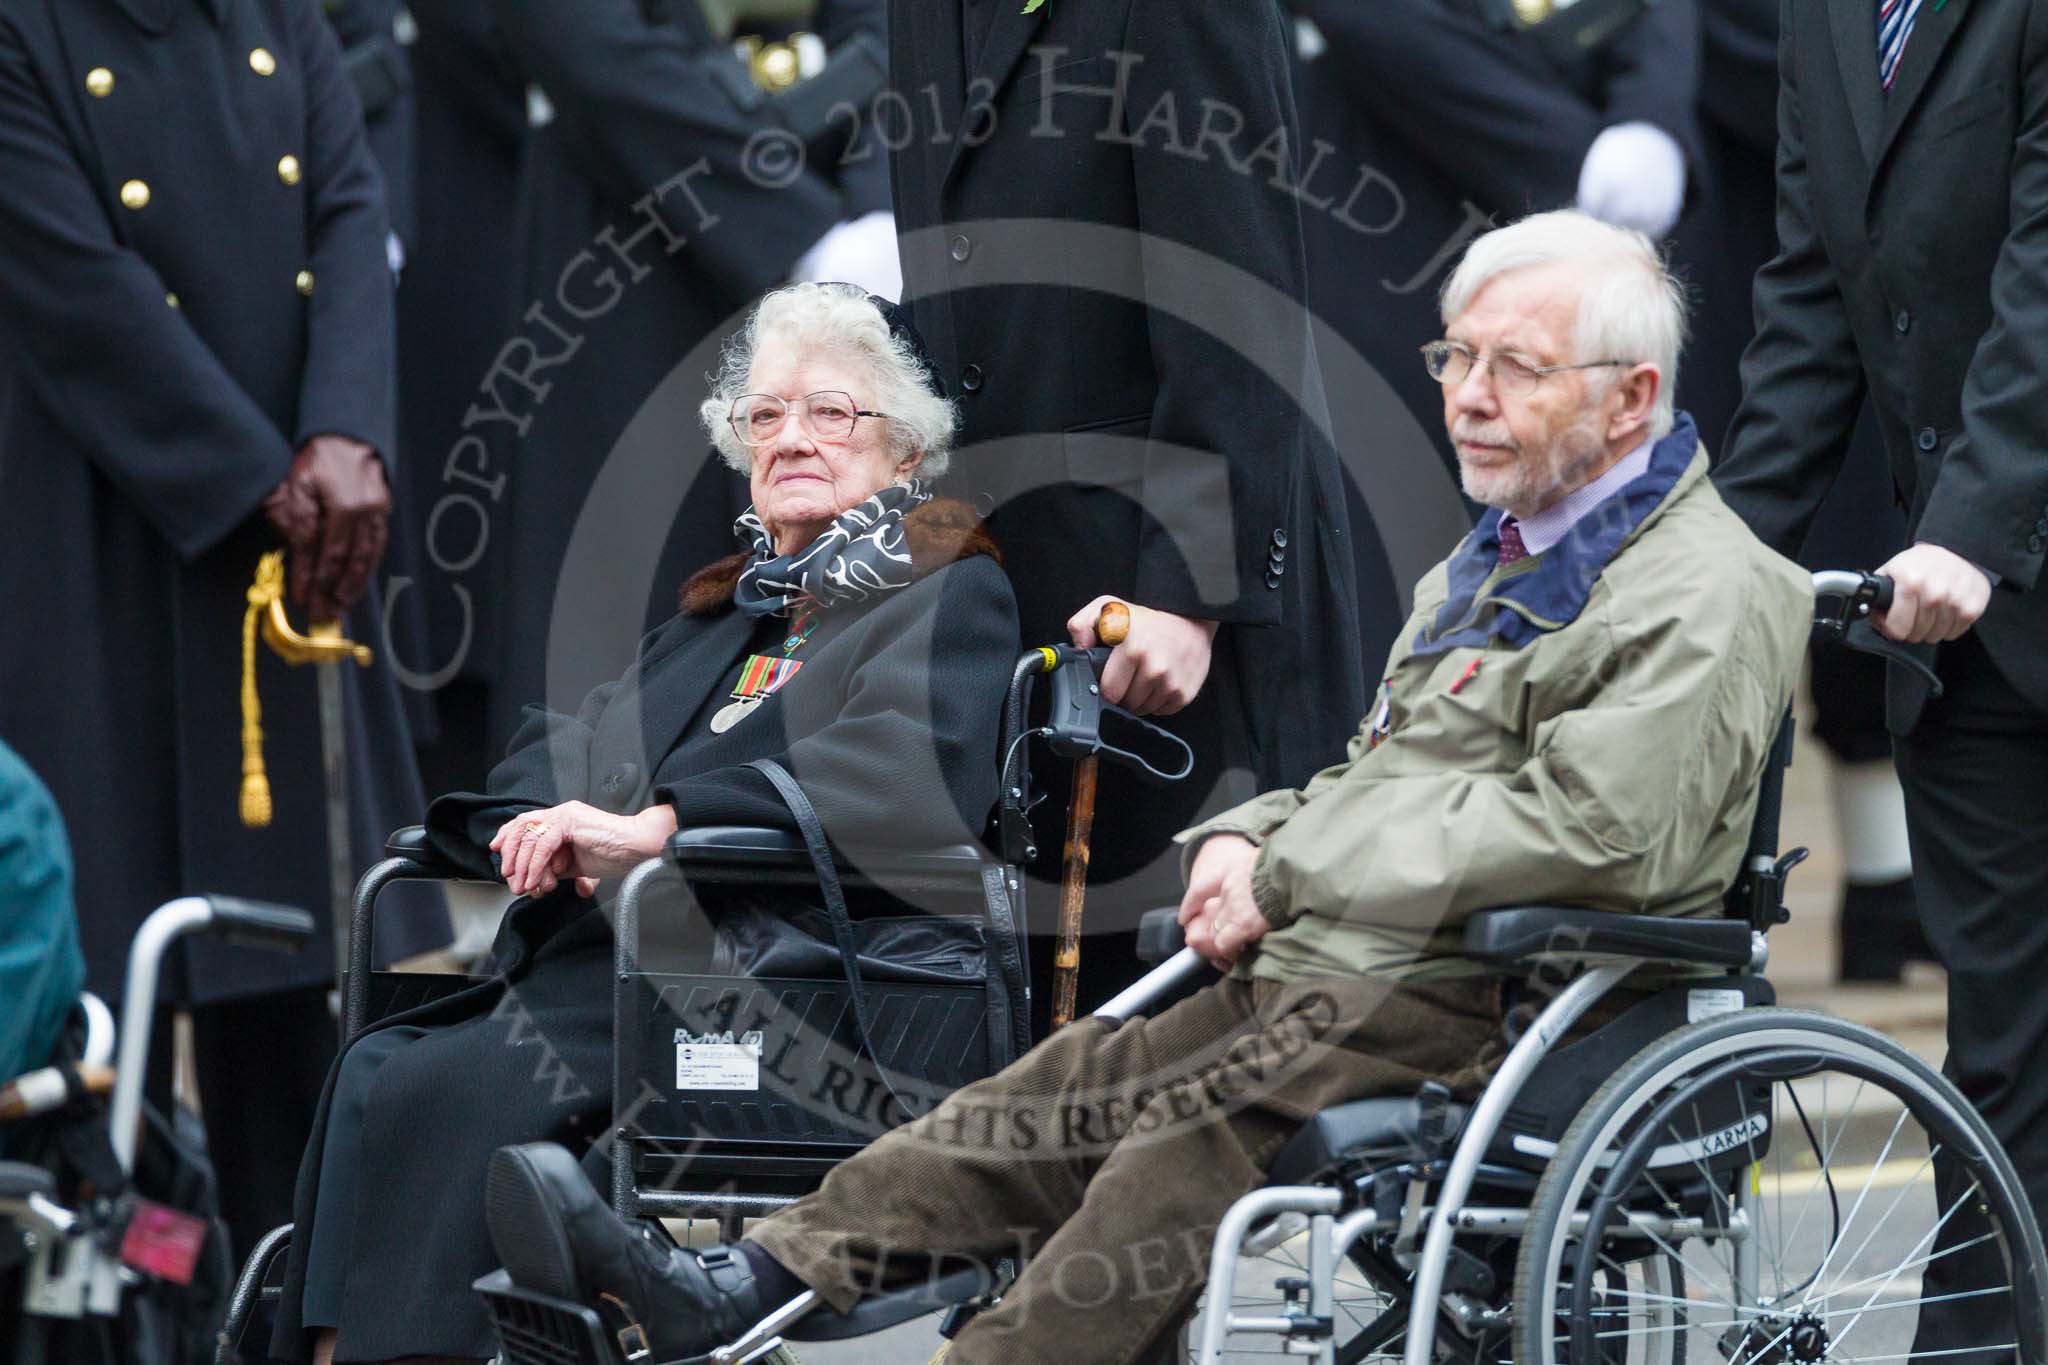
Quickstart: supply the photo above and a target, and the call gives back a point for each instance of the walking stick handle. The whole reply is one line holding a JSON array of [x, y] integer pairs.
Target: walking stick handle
[[1113, 623]]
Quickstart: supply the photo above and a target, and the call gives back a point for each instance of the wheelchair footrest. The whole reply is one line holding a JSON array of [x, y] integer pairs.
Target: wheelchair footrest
[[881, 1311], [538, 1329]]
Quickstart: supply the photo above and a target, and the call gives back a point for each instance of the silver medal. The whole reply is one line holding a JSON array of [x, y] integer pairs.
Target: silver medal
[[732, 713]]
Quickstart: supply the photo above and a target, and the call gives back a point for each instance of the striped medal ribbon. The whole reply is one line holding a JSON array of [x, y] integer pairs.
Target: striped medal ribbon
[[760, 679]]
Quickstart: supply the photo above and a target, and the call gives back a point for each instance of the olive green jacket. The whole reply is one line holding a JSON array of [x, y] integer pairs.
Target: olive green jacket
[[1586, 727]]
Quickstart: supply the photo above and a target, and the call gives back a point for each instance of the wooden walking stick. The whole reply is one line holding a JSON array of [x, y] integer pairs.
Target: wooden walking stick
[[1111, 627]]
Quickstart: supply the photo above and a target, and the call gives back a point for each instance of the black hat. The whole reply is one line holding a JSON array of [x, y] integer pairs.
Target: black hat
[[898, 318]]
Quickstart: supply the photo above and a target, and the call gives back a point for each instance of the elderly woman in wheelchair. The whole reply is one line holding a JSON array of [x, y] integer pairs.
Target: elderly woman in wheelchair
[[861, 640], [1585, 710]]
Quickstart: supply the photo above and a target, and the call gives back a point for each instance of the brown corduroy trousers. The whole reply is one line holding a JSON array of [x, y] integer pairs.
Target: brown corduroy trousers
[[1107, 1156]]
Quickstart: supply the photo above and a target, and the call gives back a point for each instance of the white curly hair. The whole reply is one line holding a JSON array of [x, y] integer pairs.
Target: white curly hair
[[837, 319]]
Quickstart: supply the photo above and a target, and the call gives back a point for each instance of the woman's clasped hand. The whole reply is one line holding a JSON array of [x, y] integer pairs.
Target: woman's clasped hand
[[537, 849]]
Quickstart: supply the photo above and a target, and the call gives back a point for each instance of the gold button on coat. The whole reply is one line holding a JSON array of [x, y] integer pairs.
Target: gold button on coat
[[171, 299], [261, 62], [288, 169], [305, 283], [99, 82], [135, 194]]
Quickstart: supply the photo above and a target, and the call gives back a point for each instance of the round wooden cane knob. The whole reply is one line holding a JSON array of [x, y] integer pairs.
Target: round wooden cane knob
[[1114, 624]]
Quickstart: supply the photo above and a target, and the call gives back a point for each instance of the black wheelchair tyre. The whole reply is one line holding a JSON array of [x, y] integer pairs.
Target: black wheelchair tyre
[[1640, 1149]]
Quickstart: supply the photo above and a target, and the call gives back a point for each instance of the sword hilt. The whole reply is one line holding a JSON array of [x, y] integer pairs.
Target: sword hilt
[[320, 643]]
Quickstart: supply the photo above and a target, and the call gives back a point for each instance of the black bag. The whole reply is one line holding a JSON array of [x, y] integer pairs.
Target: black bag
[[800, 1034]]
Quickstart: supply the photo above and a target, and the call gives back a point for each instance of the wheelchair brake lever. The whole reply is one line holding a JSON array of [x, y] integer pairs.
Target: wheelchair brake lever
[[1073, 727], [1862, 637]]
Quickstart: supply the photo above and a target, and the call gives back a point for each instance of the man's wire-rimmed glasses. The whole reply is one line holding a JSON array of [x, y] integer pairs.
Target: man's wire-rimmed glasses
[[828, 414], [1450, 362]]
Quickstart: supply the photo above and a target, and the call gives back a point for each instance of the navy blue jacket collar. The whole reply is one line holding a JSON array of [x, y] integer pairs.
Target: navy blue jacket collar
[[1549, 590]]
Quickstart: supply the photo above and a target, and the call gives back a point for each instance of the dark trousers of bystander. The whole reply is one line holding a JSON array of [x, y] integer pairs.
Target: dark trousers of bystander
[[261, 1061], [1975, 770]]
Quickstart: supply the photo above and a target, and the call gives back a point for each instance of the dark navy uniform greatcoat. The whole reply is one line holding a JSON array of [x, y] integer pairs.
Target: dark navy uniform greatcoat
[[192, 284], [380, 68]]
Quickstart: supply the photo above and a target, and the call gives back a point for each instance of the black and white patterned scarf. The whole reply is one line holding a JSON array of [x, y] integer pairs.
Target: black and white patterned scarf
[[862, 554]]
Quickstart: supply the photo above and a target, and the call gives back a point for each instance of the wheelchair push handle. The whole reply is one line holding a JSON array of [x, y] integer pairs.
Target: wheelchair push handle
[[260, 924], [1858, 594], [1854, 597], [1073, 722]]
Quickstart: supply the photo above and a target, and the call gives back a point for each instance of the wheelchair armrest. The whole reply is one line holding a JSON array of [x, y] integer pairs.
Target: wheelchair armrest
[[1524, 933], [717, 853], [717, 846], [260, 924], [411, 844]]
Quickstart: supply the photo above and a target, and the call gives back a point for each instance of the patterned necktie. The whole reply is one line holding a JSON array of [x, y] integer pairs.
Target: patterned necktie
[[1894, 25], [1511, 546]]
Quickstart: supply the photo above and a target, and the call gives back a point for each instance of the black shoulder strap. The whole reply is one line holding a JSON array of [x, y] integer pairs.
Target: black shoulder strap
[[813, 831]]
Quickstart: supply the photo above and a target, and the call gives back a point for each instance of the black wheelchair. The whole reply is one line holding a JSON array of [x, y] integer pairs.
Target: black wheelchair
[[745, 1070], [1703, 1177]]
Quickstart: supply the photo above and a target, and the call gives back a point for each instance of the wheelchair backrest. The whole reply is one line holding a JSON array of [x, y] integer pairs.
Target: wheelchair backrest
[[1762, 849]]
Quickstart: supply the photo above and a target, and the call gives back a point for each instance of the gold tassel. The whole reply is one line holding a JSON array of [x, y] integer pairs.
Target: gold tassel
[[255, 782]]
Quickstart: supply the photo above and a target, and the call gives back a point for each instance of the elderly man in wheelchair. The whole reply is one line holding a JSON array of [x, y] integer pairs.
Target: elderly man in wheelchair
[[1586, 709]]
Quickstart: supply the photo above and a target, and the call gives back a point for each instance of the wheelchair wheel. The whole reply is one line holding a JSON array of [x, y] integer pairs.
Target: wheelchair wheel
[[1777, 1187]]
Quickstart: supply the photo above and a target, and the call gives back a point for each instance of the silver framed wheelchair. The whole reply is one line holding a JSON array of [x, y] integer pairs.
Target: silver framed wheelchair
[[1705, 1176]]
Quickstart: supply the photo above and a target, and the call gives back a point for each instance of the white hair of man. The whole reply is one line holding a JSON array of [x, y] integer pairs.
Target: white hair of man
[[837, 320], [1632, 307]]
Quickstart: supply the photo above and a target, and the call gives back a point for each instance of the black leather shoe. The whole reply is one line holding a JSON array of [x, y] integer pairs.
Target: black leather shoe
[[556, 1236]]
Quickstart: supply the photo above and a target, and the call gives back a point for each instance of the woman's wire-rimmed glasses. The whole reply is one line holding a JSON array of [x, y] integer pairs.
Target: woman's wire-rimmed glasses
[[828, 415], [1450, 362]]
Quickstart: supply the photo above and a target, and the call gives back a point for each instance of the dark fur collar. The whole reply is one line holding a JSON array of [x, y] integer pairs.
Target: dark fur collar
[[940, 532]]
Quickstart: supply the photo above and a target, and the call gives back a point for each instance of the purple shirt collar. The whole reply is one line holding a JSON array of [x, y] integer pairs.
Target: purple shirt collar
[[1544, 529]]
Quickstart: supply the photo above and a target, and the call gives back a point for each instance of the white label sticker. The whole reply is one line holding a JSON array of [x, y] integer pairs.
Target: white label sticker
[[1706, 1004], [717, 1065]]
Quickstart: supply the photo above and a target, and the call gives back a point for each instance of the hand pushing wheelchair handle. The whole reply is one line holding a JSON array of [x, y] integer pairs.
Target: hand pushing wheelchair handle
[[1073, 729], [1858, 593], [1073, 722]]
